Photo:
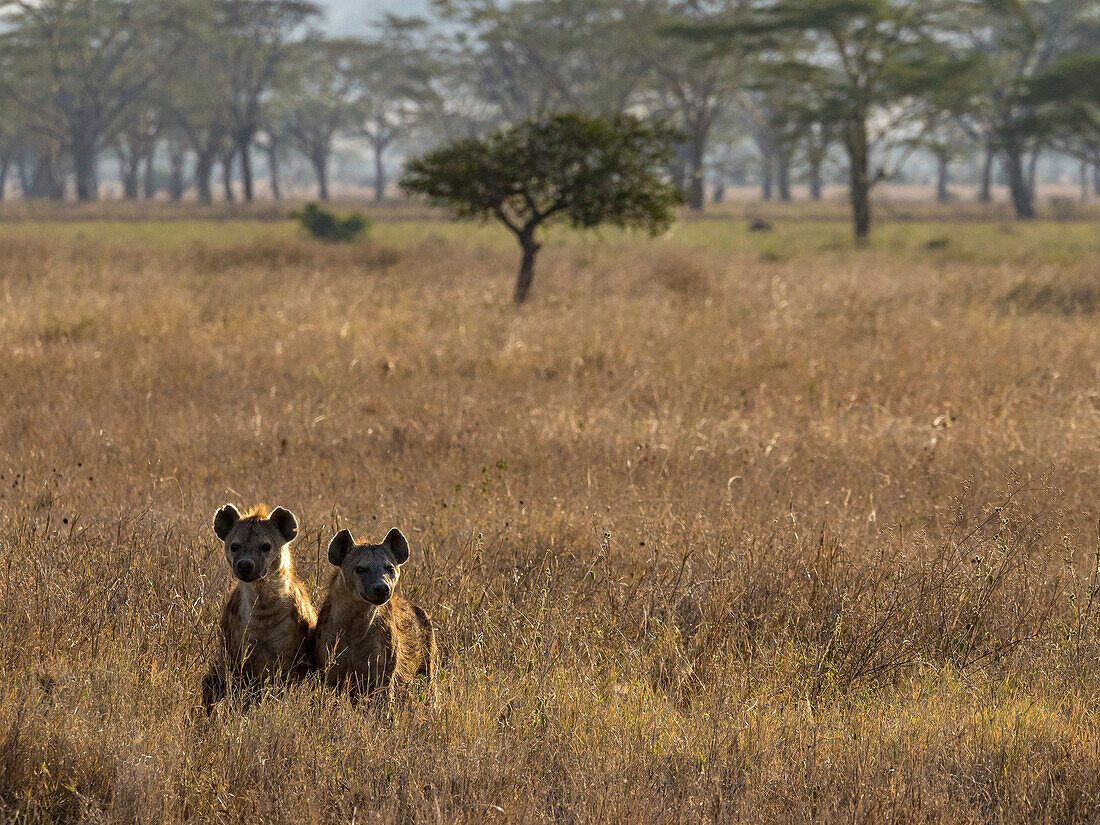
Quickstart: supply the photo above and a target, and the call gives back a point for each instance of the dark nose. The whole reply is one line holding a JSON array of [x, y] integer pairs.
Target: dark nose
[[381, 592], [245, 567]]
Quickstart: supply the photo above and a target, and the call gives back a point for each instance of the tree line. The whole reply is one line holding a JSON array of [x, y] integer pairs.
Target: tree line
[[205, 87]]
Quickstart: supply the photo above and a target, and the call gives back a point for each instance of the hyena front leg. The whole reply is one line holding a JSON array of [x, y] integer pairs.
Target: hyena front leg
[[214, 685]]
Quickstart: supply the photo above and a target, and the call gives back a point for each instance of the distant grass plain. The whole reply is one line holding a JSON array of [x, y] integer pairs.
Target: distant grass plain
[[722, 526]]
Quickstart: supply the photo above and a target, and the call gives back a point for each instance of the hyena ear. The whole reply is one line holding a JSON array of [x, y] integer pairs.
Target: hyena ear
[[224, 520], [397, 544], [284, 521], [339, 547]]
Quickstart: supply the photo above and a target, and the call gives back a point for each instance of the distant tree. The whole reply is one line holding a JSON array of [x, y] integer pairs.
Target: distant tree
[[943, 127], [947, 142], [862, 49], [1066, 98], [569, 167], [1013, 42], [533, 57], [316, 99], [692, 82], [805, 117], [395, 78], [12, 139], [198, 112], [252, 39], [176, 143], [134, 145], [77, 67], [783, 105], [273, 142]]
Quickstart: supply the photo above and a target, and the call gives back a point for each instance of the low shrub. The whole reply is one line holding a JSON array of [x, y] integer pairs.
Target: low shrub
[[328, 226]]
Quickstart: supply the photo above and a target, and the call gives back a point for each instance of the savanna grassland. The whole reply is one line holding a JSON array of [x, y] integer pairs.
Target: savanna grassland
[[723, 526]]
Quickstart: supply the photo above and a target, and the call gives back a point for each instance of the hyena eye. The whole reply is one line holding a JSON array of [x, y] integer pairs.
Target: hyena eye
[[234, 547], [360, 570], [265, 547]]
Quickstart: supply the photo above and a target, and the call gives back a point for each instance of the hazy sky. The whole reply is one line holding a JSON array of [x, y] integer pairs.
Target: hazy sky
[[350, 16]]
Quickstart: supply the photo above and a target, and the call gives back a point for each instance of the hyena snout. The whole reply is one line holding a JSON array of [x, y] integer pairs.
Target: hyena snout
[[245, 569], [372, 590]]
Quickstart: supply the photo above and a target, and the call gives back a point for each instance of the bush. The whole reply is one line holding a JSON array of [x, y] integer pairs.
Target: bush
[[328, 226]]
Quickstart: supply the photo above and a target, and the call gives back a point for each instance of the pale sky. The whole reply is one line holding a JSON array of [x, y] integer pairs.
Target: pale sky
[[352, 16]]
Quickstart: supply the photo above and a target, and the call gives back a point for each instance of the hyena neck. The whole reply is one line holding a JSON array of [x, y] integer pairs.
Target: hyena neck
[[274, 587]]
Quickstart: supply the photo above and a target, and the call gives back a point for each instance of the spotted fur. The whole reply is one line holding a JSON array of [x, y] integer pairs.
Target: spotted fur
[[267, 622], [368, 638]]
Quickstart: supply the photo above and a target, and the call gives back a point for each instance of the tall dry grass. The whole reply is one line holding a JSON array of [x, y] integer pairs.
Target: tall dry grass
[[787, 532]]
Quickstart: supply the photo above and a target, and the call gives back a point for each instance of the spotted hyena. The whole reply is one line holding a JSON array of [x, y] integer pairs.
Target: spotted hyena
[[369, 638], [267, 622]]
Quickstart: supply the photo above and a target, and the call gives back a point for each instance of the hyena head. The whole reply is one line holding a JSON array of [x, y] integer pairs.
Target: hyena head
[[370, 571], [255, 543]]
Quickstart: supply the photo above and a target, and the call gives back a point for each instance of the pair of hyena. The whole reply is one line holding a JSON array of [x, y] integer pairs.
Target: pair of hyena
[[365, 638]]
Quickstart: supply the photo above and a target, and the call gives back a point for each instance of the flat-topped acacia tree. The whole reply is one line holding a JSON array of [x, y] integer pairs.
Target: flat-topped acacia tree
[[583, 171]]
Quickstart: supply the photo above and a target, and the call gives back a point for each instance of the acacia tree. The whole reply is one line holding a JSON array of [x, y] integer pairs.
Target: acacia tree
[[568, 167]]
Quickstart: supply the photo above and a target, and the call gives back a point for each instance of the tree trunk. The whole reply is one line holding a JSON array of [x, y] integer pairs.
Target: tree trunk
[[24, 177], [696, 194], [859, 180], [985, 188], [1084, 182], [1032, 169], [783, 177], [1022, 199], [719, 189], [244, 149], [227, 177], [526, 267], [379, 173], [128, 166], [5, 165], [815, 179], [273, 168], [39, 176], [942, 193], [1096, 180], [21, 173], [766, 176], [42, 179], [320, 170], [148, 177], [204, 172], [84, 162], [677, 170], [175, 174]]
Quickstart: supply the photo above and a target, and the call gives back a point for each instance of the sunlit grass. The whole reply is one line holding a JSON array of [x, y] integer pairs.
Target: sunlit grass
[[722, 526]]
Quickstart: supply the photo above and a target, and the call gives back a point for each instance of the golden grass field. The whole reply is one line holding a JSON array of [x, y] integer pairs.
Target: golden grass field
[[723, 526]]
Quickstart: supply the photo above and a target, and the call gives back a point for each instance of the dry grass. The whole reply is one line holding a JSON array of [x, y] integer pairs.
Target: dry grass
[[721, 527]]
